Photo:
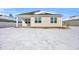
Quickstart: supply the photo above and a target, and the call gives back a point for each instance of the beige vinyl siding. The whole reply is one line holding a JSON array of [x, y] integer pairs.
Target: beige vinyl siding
[[45, 22]]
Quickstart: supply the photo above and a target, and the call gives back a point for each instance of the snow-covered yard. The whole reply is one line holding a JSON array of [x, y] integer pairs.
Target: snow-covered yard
[[34, 38]]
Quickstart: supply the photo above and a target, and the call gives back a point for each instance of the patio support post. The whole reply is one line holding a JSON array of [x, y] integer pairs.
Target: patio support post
[[17, 21]]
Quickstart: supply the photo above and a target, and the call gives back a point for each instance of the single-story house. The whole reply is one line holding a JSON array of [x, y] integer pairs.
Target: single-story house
[[72, 21], [5, 18], [40, 19]]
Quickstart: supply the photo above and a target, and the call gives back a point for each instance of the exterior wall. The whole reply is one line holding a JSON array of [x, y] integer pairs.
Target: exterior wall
[[8, 24], [45, 21], [72, 23]]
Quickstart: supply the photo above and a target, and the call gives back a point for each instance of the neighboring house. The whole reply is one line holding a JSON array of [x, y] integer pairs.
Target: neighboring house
[[40, 19], [72, 21], [4, 18], [6, 21]]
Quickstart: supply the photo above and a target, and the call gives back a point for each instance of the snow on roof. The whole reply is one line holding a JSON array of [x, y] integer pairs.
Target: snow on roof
[[65, 19], [43, 12], [39, 12], [74, 18]]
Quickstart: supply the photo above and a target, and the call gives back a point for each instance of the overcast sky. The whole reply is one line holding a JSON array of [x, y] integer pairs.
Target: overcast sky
[[66, 12]]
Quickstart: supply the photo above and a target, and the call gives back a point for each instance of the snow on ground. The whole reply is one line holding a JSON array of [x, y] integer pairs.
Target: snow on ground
[[34, 38]]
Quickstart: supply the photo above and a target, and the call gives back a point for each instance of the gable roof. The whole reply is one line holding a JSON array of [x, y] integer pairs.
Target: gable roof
[[39, 12]]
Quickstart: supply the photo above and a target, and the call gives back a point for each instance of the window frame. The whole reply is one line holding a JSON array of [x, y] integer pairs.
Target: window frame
[[38, 20], [53, 20], [27, 21]]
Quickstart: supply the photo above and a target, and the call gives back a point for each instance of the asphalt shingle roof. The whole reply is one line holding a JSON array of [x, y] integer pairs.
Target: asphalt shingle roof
[[38, 12]]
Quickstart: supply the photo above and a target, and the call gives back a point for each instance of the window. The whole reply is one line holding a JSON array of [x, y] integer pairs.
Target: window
[[27, 20], [53, 20], [37, 19]]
